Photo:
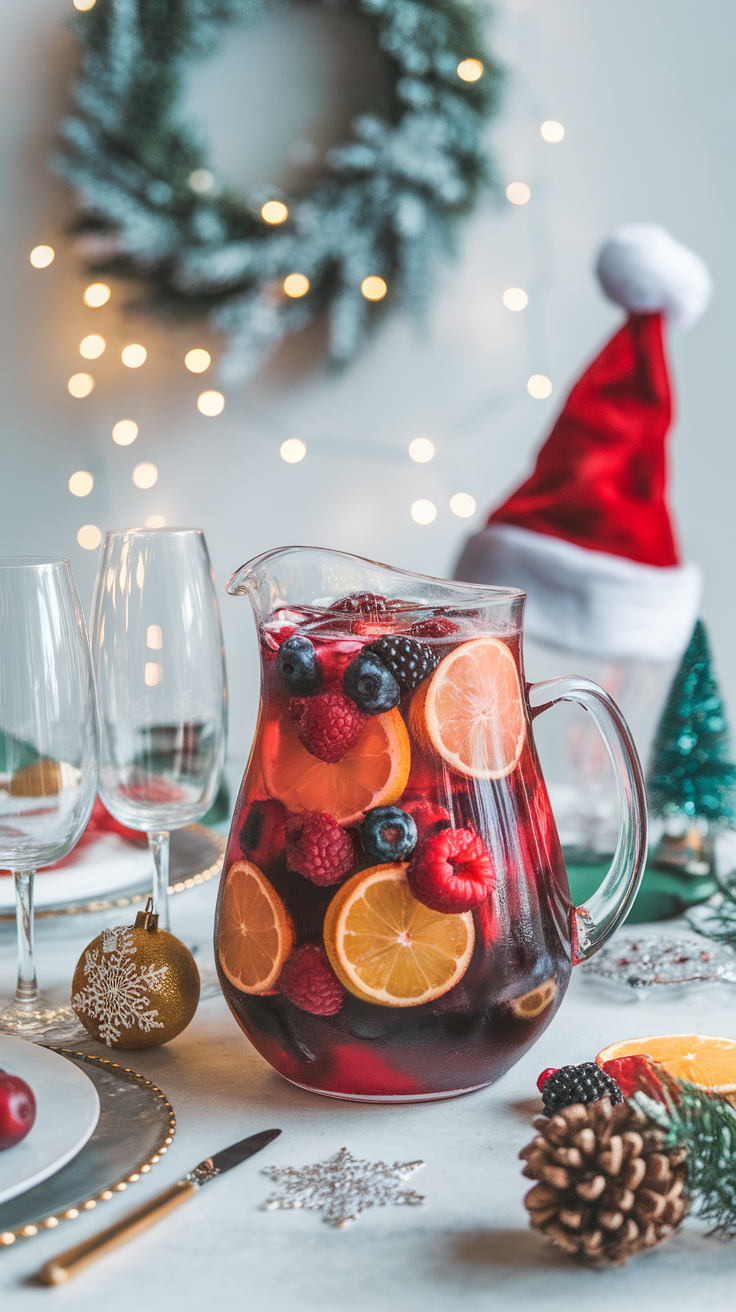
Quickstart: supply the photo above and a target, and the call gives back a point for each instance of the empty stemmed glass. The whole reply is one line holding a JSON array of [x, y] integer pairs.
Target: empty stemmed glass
[[48, 724], [162, 695]]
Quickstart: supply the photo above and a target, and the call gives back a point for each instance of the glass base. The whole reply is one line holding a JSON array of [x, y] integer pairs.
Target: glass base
[[41, 1024], [391, 1097]]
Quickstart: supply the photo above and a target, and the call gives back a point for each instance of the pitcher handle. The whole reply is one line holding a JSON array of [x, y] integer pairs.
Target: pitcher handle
[[609, 905]]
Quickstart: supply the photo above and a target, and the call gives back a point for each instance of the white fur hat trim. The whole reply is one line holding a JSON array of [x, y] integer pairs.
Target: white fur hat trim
[[643, 268]]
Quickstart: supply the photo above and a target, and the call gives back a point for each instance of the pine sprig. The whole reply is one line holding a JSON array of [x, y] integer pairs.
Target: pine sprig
[[706, 1125]]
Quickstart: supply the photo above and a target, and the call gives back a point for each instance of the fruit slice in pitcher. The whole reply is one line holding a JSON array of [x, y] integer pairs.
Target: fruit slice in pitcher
[[472, 710], [372, 773], [255, 930], [386, 947]]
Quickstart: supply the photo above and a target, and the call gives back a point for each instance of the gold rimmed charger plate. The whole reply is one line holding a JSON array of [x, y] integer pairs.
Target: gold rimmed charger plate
[[136, 1126], [196, 855]]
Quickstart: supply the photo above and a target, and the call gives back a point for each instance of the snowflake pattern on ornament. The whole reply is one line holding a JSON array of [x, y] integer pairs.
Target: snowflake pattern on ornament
[[117, 992]]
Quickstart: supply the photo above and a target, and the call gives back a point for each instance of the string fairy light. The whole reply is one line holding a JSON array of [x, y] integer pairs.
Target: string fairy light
[[421, 450], [296, 285], [134, 355], [373, 288], [145, 475], [89, 537], [83, 5], [274, 211], [539, 386], [42, 256], [201, 180], [197, 360], [210, 403], [92, 347], [515, 298], [124, 432], [518, 193], [80, 385], [552, 131], [292, 450], [97, 294], [81, 483], [462, 505], [155, 521], [423, 512], [469, 70]]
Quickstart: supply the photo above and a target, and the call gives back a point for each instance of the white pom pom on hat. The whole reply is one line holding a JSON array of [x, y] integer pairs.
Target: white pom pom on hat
[[644, 269]]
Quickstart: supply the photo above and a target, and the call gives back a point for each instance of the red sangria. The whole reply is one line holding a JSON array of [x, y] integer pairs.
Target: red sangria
[[394, 920]]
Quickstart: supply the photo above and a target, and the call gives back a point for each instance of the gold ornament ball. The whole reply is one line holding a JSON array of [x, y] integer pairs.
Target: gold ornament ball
[[136, 986]]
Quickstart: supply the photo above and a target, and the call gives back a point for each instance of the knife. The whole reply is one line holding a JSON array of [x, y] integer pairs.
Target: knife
[[61, 1268]]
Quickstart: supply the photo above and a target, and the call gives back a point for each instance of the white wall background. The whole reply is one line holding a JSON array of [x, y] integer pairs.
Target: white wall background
[[646, 94]]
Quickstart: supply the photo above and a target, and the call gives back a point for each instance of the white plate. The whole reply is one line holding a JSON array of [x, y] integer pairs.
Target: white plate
[[67, 1111], [101, 869]]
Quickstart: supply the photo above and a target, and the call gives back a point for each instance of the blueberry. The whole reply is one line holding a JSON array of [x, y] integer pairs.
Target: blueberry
[[296, 662], [372, 687], [388, 833]]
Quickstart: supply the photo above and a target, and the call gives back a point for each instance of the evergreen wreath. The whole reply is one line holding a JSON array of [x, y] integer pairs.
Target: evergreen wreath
[[385, 205]]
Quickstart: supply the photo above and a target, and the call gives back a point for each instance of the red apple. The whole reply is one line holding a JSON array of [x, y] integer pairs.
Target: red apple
[[17, 1109]]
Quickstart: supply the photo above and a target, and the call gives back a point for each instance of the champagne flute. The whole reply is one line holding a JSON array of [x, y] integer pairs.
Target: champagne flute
[[48, 725], [162, 694]]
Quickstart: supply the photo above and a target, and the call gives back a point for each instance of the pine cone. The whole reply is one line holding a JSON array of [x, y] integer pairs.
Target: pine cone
[[608, 1187]]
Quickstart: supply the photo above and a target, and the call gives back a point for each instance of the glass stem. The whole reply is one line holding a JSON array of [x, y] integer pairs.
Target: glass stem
[[27, 991], [159, 845]]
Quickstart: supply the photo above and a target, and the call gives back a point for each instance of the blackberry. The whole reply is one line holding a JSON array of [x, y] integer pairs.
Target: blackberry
[[297, 665], [370, 684], [388, 833], [577, 1084], [408, 660]]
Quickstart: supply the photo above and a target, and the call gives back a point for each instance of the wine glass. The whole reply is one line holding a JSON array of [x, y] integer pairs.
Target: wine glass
[[161, 689], [48, 728]]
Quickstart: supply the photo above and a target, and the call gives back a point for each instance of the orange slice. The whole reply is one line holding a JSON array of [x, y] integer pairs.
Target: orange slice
[[532, 1004], [387, 948], [700, 1059], [255, 934], [473, 710], [373, 773]]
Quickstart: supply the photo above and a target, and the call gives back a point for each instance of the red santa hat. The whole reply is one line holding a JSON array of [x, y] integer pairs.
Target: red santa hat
[[589, 536]]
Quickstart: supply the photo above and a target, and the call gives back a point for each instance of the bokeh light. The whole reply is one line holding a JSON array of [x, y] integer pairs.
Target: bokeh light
[[97, 294], [552, 131], [41, 256], [292, 451], [83, 5], [373, 288], [155, 521], [421, 450], [145, 475], [518, 193], [201, 180], [296, 285], [423, 512], [124, 432], [539, 387], [89, 537], [134, 355], [514, 298], [81, 384], [274, 211], [470, 70], [462, 504], [81, 483], [91, 347], [210, 403], [197, 360]]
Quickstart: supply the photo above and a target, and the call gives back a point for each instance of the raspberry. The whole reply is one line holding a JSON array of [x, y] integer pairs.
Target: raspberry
[[437, 627], [360, 602], [318, 848], [329, 725], [427, 816], [452, 871], [408, 660], [309, 981]]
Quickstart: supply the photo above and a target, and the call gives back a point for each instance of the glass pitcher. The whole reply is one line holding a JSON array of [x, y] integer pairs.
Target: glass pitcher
[[394, 921]]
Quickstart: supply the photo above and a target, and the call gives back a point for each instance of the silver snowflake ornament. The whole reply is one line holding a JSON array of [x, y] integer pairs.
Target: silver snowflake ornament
[[116, 993], [342, 1187]]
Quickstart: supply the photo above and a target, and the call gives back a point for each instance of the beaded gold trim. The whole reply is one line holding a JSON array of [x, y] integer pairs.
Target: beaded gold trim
[[8, 1237], [109, 904]]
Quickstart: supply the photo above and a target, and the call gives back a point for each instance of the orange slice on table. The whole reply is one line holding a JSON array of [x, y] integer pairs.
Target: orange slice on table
[[700, 1059], [373, 773], [473, 711], [388, 948], [255, 934]]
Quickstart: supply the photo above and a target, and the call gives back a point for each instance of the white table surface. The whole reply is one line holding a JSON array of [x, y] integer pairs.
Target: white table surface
[[467, 1247]]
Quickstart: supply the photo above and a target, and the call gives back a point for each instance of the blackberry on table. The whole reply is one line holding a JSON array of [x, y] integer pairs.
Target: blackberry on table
[[578, 1084], [408, 660]]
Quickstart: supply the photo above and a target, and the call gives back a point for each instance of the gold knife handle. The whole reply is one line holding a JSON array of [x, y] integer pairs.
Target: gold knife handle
[[61, 1268]]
